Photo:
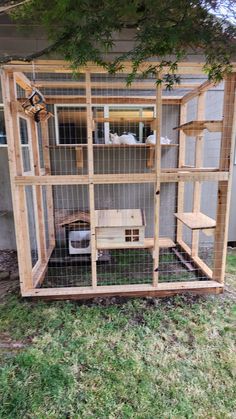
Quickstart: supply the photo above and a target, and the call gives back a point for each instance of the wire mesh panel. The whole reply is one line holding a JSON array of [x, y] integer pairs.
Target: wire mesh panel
[[70, 262], [31, 213], [121, 203], [125, 232]]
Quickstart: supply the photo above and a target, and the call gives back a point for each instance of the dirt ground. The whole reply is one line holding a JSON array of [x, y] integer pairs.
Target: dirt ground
[[9, 277]]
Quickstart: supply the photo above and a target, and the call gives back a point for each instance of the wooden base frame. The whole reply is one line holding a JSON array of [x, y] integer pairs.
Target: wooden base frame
[[32, 278]]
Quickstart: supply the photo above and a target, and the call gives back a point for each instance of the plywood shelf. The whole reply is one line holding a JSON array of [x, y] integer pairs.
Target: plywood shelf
[[196, 220], [141, 145], [164, 242], [123, 119], [194, 128]]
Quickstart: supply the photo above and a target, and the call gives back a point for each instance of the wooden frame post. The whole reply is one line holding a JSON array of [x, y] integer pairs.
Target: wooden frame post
[[90, 175], [49, 192], [157, 184], [198, 163], [224, 187], [18, 192], [181, 163]]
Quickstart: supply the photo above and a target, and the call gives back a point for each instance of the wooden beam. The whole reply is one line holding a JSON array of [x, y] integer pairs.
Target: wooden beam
[[112, 84], [157, 128], [18, 193], [200, 89], [163, 289], [90, 176], [40, 272], [224, 187], [79, 157], [23, 81], [49, 191], [181, 163], [104, 100], [196, 259], [39, 205], [120, 178], [61, 66], [198, 163]]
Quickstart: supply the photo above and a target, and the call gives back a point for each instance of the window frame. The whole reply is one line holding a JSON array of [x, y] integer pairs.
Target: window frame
[[30, 172], [2, 108], [106, 110]]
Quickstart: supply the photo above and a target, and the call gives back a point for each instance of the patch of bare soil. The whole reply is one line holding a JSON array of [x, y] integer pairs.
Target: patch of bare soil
[[9, 277]]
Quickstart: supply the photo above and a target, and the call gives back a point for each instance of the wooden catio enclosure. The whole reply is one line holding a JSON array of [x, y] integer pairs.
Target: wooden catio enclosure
[[118, 190]]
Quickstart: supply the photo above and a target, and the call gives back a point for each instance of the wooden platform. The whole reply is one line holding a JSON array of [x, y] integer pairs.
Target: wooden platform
[[110, 145], [196, 220], [193, 128], [164, 242]]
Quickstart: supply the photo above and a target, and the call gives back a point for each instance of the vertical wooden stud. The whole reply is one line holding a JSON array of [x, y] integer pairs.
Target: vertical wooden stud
[[79, 157], [49, 192], [157, 184], [90, 174], [181, 163], [224, 187], [198, 163], [18, 192]]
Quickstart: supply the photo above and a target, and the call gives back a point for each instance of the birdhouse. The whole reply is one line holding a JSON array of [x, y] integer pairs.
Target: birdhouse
[[118, 229]]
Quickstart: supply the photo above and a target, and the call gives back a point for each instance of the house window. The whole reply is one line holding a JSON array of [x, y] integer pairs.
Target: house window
[[129, 121], [71, 123], [3, 137], [24, 139], [132, 235]]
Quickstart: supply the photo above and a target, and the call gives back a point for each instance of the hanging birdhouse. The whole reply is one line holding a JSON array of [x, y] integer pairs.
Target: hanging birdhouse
[[35, 106]]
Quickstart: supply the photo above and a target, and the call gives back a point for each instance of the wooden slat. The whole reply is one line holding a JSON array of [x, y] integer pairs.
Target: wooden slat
[[193, 128], [23, 81], [181, 162], [79, 157], [196, 259], [224, 188], [123, 119], [39, 205], [18, 193], [198, 164], [196, 220], [90, 176], [49, 191], [120, 178], [164, 242], [61, 66], [40, 272], [97, 146], [113, 85], [163, 289], [200, 89], [157, 128], [105, 100]]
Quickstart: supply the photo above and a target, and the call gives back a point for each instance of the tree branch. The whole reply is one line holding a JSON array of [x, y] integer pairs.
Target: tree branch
[[4, 9]]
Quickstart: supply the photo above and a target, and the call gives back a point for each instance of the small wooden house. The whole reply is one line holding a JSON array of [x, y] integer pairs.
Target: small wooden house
[[114, 229], [118, 229]]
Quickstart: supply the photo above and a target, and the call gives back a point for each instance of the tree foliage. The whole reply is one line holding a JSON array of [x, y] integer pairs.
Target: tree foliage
[[82, 31]]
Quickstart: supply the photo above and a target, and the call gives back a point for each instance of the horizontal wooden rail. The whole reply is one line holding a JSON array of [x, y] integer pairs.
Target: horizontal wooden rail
[[120, 178], [163, 289]]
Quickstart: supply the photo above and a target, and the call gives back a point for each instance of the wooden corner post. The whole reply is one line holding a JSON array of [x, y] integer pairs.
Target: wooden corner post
[[181, 163], [157, 185], [90, 175], [224, 187], [198, 164], [18, 192]]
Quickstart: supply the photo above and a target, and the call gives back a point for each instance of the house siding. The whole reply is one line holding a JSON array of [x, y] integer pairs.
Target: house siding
[[12, 42]]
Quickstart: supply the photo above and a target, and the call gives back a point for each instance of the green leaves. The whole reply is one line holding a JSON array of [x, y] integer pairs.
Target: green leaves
[[86, 30]]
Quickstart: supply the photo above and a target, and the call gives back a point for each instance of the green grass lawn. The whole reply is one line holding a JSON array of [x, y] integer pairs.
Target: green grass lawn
[[140, 358]]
